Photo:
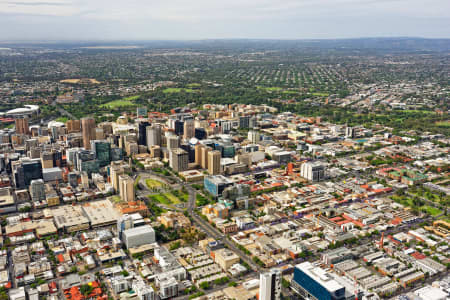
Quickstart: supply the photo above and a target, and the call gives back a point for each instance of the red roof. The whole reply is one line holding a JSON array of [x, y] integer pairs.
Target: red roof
[[60, 258], [418, 255]]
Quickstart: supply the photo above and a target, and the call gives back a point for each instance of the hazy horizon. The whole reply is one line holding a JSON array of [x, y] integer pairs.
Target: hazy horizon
[[147, 20]]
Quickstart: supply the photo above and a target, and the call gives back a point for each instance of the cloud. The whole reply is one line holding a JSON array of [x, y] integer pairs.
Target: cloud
[[169, 19]]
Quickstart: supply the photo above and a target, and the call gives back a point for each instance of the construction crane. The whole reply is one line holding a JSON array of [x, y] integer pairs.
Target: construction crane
[[381, 245], [317, 219]]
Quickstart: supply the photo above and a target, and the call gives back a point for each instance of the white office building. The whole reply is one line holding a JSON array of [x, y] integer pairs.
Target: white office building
[[270, 285], [138, 236]]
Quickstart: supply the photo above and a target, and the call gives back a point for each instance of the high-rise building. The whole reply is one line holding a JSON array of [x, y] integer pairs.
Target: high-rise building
[[142, 131], [141, 112], [313, 282], [252, 122], [189, 129], [143, 290], [73, 179], [126, 188], [270, 285], [214, 162], [155, 151], [86, 162], [204, 155], [253, 136], [25, 171], [22, 125], [178, 160], [88, 129], [116, 171], [173, 142], [73, 126], [244, 122], [102, 150], [313, 171], [47, 159], [153, 135], [137, 236], [179, 127], [198, 154], [200, 133], [37, 190], [349, 132]]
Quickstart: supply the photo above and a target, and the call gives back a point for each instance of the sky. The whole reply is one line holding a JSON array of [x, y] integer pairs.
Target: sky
[[45, 20]]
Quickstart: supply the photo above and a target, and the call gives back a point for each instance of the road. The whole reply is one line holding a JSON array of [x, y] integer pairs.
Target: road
[[204, 225], [63, 111]]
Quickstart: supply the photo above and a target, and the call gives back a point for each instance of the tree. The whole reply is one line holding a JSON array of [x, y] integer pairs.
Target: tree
[[86, 289], [204, 285]]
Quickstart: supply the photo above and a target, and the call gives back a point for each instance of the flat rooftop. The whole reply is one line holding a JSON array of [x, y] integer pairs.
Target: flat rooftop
[[101, 212], [321, 276]]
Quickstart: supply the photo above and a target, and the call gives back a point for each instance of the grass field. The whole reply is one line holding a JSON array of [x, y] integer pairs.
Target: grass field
[[153, 183], [318, 94], [127, 101], [172, 198], [115, 198], [193, 85], [271, 89], [443, 124], [291, 92], [160, 199], [177, 90], [62, 119], [431, 210]]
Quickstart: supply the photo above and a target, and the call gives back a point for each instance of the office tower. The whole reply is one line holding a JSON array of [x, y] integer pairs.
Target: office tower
[[37, 190], [99, 134], [102, 150], [198, 154], [86, 162], [125, 222], [349, 132], [58, 158], [200, 133], [214, 162], [189, 129], [155, 151], [178, 159], [88, 130], [253, 136], [24, 171], [22, 125], [153, 135], [173, 142], [314, 171], [244, 122], [204, 162], [252, 122], [190, 150], [141, 112], [73, 179], [312, 282], [142, 131], [73, 126], [116, 171], [137, 236], [143, 290], [116, 154], [47, 159], [227, 150], [126, 188], [179, 127], [270, 285]]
